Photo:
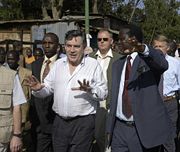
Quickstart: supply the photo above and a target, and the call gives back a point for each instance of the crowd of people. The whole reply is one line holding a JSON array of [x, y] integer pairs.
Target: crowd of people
[[123, 97]]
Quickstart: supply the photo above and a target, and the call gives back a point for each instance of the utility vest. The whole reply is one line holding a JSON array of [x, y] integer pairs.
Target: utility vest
[[7, 77]]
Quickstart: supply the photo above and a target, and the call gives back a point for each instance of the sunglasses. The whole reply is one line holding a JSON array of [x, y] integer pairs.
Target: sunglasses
[[100, 39]]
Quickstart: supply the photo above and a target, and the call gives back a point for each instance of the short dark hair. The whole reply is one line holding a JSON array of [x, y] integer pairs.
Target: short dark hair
[[134, 30], [75, 33], [52, 35]]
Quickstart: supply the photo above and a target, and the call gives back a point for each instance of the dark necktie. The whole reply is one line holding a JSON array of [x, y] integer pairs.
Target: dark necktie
[[126, 105], [46, 70]]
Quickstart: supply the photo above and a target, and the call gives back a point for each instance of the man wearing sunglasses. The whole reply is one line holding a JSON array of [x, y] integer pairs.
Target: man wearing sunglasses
[[105, 56]]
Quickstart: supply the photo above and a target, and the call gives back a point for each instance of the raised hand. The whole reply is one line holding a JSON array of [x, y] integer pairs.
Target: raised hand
[[33, 83], [84, 86]]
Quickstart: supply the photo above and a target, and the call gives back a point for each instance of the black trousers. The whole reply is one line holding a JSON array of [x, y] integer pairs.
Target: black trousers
[[44, 142], [73, 135], [100, 131]]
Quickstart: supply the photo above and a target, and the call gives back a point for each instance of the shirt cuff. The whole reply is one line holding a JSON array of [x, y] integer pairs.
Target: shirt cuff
[[146, 50]]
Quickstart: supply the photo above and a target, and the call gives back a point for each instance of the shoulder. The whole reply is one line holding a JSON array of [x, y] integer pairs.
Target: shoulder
[[25, 70], [7, 70], [90, 60], [93, 54], [173, 59]]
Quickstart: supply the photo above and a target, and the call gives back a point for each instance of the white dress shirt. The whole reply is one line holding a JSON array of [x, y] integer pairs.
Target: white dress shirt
[[53, 59], [171, 76], [104, 61], [68, 102], [119, 112]]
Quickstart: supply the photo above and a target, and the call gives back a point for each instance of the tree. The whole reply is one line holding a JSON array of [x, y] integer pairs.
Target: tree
[[54, 5], [161, 18], [11, 9]]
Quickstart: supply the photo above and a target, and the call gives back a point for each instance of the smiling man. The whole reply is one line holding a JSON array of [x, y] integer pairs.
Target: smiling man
[[78, 85]]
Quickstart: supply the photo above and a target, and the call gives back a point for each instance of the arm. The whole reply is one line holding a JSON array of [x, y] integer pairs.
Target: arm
[[16, 142], [98, 88]]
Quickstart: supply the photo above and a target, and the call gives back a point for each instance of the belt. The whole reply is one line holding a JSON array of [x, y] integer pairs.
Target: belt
[[168, 98], [128, 123], [72, 118]]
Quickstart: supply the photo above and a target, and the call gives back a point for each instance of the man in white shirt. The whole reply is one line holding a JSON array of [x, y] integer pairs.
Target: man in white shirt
[[171, 85], [78, 85]]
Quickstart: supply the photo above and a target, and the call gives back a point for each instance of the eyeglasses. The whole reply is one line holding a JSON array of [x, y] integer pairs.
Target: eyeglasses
[[100, 39]]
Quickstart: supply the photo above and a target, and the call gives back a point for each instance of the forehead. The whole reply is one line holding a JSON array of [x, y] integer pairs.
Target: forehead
[[48, 38], [105, 33], [75, 40], [160, 43]]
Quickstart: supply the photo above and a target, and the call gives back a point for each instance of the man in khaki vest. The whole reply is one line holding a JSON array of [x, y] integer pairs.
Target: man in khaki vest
[[12, 60], [11, 97]]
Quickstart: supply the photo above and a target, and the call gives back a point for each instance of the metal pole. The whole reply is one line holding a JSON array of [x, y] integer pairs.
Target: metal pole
[[87, 22]]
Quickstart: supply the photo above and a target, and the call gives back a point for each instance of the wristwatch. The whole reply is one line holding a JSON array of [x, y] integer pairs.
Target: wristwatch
[[17, 135]]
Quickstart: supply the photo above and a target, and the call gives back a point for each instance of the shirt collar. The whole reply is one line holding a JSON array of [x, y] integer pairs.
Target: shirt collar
[[109, 54], [133, 55], [53, 58], [65, 59]]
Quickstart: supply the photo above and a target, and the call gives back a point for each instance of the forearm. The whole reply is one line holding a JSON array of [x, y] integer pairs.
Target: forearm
[[17, 119], [44, 92]]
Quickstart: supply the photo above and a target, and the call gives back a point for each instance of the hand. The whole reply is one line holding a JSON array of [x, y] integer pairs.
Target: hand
[[15, 144], [84, 86], [137, 46], [33, 83]]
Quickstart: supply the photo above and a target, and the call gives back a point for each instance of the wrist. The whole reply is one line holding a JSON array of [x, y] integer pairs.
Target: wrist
[[19, 135]]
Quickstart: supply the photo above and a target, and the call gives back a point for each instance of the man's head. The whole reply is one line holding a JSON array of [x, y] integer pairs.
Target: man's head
[[12, 59], [2, 55], [75, 43], [161, 42], [50, 44], [104, 40], [38, 53], [130, 36], [28, 51]]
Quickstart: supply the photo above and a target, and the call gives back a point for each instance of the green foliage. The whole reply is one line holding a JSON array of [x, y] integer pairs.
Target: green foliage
[[161, 18], [10, 9]]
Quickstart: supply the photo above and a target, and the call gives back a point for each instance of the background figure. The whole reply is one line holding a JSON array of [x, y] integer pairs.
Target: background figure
[[12, 96], [172, 48], [171, 85], [41, 113], [12, 61], [29, 58], [105, 56], [138, 120], [18, 46], [38, 53], [2, 56], [77, 89]]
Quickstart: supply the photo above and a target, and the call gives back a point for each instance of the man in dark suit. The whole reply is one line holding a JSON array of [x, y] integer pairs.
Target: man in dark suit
[[138, 120], [41, 111], [105, 56]]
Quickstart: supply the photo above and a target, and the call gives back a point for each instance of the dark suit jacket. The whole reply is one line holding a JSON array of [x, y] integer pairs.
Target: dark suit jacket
[[109, 72], [150, 115], [41, 110]]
